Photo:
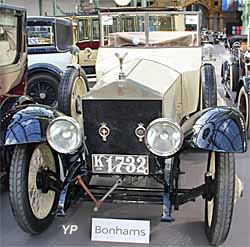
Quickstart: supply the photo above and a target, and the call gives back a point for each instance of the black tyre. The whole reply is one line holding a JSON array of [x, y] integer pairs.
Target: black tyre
[[224, 72], [32, 204], [73, 86], [209, 86], [219, 208], [244, 106], [43, 87], [234, 76]]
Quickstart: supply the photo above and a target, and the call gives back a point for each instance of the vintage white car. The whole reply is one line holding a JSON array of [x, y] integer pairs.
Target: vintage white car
[[155, 98], [50, 51]]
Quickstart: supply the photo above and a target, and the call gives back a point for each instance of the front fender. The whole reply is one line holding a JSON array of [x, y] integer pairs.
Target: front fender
[[28, 124], [219, 129], [45, 67]]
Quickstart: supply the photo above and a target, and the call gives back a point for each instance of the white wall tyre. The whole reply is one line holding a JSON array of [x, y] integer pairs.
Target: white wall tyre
[[244, 106], [32, 208], [219, 209], [72, 88]]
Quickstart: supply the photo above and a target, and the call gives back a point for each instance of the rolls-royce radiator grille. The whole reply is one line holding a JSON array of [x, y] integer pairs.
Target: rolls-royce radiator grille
[[110, 125]]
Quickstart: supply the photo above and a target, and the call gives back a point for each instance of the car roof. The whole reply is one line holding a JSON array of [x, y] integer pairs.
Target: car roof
[[11, 7], [48, 19]]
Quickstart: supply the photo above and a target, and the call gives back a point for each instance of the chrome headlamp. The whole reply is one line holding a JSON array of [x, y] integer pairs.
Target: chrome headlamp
[[64, 135], [208, 52], [163, 137]]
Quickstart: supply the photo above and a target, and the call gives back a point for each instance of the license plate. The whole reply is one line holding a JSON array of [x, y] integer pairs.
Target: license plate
[[120, 164]]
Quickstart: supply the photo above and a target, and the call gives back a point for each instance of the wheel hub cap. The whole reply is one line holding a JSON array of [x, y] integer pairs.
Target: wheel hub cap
[[42, 95]]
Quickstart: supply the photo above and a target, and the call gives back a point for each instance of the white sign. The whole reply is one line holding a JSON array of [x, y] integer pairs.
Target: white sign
[[107, 20], [192, 19], [117, 230]]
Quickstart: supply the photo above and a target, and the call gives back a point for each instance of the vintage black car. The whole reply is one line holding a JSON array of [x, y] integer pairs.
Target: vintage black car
[[13, 69], [151, 103], [235, 75], [50, 50]]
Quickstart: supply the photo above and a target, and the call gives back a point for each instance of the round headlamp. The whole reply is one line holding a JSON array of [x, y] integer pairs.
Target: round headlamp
[[208, 52], [64, 135], [163, 137]]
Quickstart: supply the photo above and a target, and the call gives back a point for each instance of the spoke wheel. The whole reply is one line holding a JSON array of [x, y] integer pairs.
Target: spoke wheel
[[32, 206], [244, 105], [78, 91], [219, 208], [41, 203], [43, 87], [73, 87]]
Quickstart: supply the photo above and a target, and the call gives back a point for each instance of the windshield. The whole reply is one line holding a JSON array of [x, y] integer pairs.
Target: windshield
[[8, 39], [41, 35], [164, 29]]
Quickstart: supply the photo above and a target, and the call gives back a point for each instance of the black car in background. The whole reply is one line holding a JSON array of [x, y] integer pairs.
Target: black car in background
[[235, 74]]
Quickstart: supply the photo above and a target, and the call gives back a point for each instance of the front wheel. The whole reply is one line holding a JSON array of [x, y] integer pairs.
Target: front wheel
[[32, 200], [73, 86], [244, 105], [219, 206], [209, 86]]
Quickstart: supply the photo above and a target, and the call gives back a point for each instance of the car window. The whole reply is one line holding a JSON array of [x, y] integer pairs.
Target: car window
[[41, 35], [151, 29], [8, 39], [83, 30], [95, 29], [174, 30]]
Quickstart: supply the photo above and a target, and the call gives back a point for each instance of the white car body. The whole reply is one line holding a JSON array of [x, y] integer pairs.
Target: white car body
[[60, 60], [174, 76]]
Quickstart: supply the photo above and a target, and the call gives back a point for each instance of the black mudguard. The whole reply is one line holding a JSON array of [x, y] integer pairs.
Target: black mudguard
[[219, 129], [45, 67], [28, 124], [7, 107]]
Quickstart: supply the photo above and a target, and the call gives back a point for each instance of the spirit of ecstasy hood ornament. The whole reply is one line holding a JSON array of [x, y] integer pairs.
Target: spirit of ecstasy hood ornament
[[121, 60]]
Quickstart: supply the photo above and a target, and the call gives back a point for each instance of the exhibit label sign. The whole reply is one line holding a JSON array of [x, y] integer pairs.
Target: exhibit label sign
[[118, 230]]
